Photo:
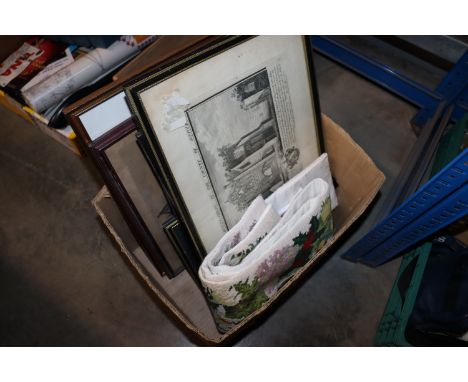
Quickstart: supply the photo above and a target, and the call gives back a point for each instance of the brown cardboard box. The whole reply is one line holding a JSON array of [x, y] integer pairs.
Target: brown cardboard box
[[66, 137], [8, 44], [359, 181], [160, 50]]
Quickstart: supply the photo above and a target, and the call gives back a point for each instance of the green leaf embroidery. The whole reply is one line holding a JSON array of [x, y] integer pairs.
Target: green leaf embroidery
[[252, 299], [300, 239], [238, 257]]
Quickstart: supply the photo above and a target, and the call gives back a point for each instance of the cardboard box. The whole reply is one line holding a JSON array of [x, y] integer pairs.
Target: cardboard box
[[358, 182], [8, 44]]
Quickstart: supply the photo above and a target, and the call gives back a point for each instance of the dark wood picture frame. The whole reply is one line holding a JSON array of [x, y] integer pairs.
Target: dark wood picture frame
[[148, 79], [135, 221], [165, 50], [175, 232]]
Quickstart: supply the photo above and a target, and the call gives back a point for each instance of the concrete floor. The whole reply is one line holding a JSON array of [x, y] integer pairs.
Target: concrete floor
[[63, 282]]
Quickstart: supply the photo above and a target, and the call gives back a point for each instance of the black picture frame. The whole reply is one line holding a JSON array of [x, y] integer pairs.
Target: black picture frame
[[135, 88]]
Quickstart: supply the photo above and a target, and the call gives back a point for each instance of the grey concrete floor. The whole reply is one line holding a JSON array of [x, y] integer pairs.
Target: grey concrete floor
[[63, 281]]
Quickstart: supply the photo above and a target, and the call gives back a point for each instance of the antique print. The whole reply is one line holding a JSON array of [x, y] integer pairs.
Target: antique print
[[239, 138], [237, 124]]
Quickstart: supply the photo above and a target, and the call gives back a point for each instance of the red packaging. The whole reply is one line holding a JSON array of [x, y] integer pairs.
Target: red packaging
[[50, 51]]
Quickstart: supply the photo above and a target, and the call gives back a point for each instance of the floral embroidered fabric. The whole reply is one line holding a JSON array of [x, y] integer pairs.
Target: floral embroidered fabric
[[264, 249]]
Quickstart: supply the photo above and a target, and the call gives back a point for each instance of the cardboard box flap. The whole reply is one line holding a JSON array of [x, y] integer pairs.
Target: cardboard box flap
[[358, 178]]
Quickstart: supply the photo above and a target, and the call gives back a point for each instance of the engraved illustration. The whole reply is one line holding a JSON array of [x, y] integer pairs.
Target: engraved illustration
[[239, 140]]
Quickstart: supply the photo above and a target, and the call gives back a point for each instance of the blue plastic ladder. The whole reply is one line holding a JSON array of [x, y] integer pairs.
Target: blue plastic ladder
[[441, 201]]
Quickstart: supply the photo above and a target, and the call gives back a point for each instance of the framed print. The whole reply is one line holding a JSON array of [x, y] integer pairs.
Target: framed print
[[122, 161], [232, 121]]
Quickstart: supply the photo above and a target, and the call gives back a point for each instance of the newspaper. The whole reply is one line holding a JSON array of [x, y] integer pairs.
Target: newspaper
[[50, 69]]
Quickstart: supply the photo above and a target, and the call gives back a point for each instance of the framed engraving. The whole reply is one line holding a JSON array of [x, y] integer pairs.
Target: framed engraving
[[228, 123]]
